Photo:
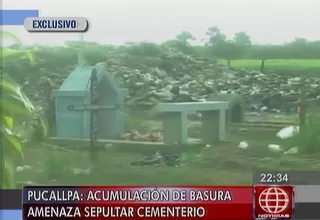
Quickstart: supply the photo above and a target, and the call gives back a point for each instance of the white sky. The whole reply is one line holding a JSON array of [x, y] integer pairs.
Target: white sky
[[118, 21]]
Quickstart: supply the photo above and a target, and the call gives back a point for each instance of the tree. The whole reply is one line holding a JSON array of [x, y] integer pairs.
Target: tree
[[229, 50], [242, 43], [298, 48], [216, 42], [185, 36], [181, 43], [214, 37], [242, 39]]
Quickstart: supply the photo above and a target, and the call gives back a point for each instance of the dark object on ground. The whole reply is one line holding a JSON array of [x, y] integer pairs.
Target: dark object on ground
[[159, 158]]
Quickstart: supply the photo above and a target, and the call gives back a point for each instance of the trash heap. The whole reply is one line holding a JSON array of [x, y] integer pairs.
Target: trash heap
[[260, 91], [190, 79], [172, 76]]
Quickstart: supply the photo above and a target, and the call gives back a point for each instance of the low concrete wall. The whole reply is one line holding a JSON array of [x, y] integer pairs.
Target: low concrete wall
[[235, 113]]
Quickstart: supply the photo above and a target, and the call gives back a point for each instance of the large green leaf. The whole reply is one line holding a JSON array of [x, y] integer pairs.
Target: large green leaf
[[14, 107], [7, 53], [8, 122], [14, 142], [13, 103], [11, 155], [9, 87], [11, 144], [8, 173]]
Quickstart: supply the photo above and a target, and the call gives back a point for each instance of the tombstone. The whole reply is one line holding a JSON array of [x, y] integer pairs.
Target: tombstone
[[235, 112], [74, 104], [175, 120]]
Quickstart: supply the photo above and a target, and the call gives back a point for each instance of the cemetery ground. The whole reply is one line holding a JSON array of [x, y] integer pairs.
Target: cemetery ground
[[218, 164]]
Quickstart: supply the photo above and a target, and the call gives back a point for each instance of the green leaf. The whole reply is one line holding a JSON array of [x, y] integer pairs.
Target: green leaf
[[14, 142], [8, 85], [8, 121], [10, 88], [13, 103], [22, 98], [8, 173], [14, 107], [10, 53], [6, 131]]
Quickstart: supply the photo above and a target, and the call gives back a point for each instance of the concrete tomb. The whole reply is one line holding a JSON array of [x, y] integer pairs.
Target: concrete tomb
[[236, 108], [175, 120], [89, 103]]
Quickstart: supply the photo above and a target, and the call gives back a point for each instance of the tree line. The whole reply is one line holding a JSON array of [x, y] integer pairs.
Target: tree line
[[216, 46], [241, 47]]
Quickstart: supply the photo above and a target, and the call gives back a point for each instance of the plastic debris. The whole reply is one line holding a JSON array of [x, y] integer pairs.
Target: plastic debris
[[288, 132], [293, 150], [275, 148], [23, 168], [78, 171], [243, 145]]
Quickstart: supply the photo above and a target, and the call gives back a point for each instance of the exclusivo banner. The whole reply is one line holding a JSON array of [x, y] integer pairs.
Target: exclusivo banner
[[218, 202]]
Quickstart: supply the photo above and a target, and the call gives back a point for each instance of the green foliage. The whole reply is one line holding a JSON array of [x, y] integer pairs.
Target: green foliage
[[308, 139], [56, 62], [13, 104], [295, 67], [240, 47]]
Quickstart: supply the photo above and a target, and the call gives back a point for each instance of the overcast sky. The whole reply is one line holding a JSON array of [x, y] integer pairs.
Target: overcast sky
[[118, 21]]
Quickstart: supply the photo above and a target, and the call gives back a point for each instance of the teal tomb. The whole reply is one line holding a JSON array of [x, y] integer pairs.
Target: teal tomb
[[74, 104]]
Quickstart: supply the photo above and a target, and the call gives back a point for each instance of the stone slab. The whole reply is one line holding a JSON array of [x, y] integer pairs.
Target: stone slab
[[175, 122], [192, 106]]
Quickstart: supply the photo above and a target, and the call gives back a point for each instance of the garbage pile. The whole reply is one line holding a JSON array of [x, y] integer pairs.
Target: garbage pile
[[260, 91], [173, 76]]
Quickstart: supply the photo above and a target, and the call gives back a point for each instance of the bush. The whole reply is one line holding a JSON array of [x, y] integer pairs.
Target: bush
[[308, 139]]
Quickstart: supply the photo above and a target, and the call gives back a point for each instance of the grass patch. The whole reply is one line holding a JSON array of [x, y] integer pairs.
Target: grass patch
[[222, 164], [284, 66]]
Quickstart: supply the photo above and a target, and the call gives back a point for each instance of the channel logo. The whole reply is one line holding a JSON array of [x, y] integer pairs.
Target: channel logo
[[273, 202]]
